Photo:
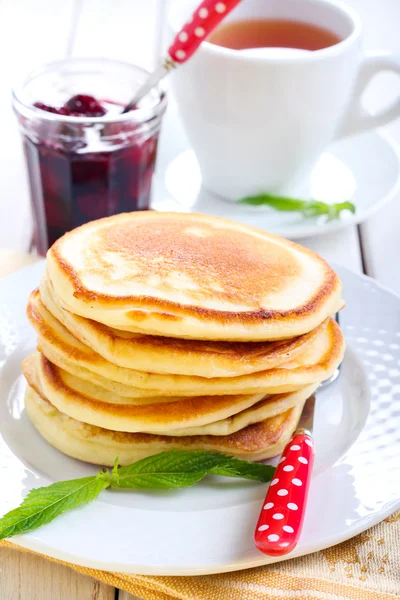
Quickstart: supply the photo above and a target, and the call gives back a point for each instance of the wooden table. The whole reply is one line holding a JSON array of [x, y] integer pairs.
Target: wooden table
[[36, 32]]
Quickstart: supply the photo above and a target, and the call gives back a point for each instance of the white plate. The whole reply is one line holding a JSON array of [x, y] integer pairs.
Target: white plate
[[364, 169], [209, 528]]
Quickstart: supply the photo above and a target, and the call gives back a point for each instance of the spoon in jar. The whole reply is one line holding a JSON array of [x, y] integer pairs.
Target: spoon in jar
[[203, 21]]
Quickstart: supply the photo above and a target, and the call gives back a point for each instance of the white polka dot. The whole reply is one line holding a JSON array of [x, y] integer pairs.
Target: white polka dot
[[303, 460], [268, 505], [203, 13], [277, 516], [263, 527], [284, 544], [288, 468], [181, 54], [295, 447], [183, 36], [297, 482], [273, 537], [282, 459], [308, 442], [220, 7], [288, 529], [274, 482], [282, 492], [199, 31], [292, 506]]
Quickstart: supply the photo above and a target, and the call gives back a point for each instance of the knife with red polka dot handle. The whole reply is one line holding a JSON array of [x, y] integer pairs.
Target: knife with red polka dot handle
[[203, 21], [281, 518]]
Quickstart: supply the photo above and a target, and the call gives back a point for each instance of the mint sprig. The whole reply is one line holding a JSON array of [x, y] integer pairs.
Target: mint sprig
[[308, 208], [182, 468], [173, 469]]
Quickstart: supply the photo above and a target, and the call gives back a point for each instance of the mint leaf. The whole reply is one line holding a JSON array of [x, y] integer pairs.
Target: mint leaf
[[173, 469], [246, 470], [114, 472], [313, 208], [308, 208], [282, 203], [44, 504], [176, 469]]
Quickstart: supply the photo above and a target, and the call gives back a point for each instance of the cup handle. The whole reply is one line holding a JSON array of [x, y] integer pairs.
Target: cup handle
[[358, 119]]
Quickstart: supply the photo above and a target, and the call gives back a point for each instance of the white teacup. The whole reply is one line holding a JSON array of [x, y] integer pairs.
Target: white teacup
[[259, 123]]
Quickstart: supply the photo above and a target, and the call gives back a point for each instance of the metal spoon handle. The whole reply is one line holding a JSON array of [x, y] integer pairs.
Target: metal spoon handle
[[153, 79]]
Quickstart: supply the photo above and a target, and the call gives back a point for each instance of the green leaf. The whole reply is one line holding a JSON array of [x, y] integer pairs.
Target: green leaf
[[282, 203], [166, 470], [44, 504], [114, 472], [309, 208], [176, 469], [246, 470]]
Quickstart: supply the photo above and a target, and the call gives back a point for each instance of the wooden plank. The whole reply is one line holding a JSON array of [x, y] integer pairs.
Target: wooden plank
[[342, 248], [381, 245], [31, 33], [380, 236], [24, 576]]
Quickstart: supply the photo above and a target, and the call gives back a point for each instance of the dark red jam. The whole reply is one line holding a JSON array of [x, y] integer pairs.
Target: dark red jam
[[79, 171]]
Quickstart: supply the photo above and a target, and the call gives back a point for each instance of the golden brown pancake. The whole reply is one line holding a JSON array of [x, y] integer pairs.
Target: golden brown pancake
[[89, 403], [101, 446], [170, 355], [267, 408], [317, 362], [85, 402], [191, 276]]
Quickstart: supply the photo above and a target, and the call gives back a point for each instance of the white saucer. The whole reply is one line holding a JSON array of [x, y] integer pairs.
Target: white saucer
[[209, 528], [364, 169]]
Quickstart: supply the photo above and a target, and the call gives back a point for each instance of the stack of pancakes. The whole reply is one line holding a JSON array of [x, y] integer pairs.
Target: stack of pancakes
[[161, 331]]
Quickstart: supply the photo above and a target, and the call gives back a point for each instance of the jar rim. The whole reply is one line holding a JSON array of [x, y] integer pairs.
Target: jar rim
[[138, 115]]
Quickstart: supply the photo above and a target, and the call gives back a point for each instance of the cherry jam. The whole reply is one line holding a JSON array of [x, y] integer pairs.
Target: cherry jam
[[81, 170]]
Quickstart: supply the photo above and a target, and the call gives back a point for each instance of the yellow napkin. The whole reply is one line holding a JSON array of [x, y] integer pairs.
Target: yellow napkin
[[366, 567]]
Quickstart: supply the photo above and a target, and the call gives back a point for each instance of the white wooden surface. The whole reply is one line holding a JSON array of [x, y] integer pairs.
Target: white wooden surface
[[27, 577], [35, 32]]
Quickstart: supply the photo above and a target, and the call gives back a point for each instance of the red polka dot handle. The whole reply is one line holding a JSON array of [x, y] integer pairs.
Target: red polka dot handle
[[204, 19], [281, 518]]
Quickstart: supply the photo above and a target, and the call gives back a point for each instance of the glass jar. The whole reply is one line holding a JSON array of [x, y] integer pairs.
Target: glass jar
[[82, 168]]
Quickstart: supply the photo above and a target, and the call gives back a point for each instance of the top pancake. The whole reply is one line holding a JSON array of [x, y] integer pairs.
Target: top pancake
[[191, 276]]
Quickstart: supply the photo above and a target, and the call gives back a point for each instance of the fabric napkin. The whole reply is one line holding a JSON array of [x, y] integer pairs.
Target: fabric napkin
[[366, 567]]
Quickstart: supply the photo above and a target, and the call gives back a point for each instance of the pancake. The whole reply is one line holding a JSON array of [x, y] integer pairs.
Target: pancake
[[320, 359], [241, 410], [191, 276], [270, 406], [65, 351], [105, 409], [101, 446], [170, 355]]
